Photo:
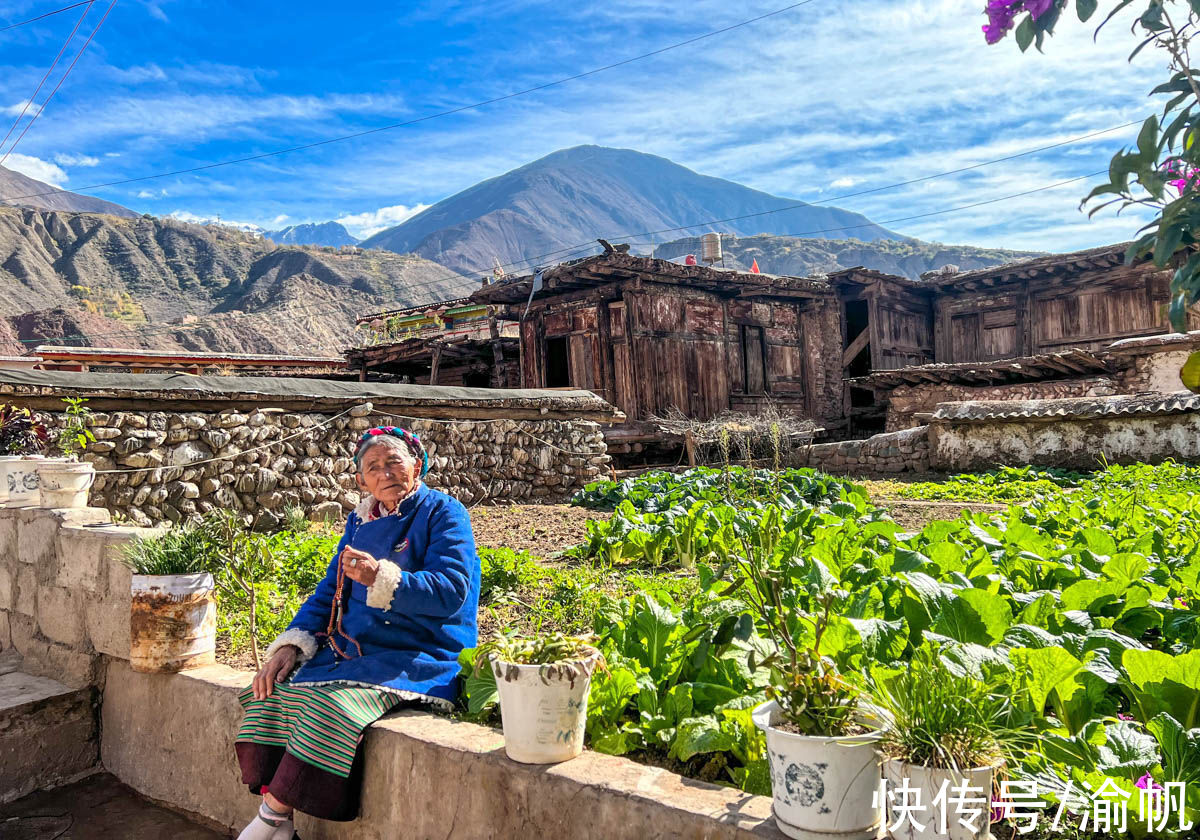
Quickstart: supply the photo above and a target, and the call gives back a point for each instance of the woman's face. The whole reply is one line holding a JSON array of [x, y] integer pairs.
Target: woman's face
[[386, 475]]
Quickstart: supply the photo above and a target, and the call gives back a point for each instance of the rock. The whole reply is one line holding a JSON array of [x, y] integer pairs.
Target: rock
[[266, 480], [270, 501], [105, 433], [178, 435], [188, 453], [157, 420], [266, 522], [216, 438], [256, 418], [195, 421], [325, 512], [101, 446], [209, 486], [230, 420], [183, 490], [150, 458]]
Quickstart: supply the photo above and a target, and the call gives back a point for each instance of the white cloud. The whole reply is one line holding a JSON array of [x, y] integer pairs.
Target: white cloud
[[280, 219], [15, 110], [193, 218], [363, 225], [842, 183], [152, 193], [76, 160], [42, 170]]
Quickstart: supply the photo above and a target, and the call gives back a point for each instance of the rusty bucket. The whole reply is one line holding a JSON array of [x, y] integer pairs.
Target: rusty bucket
[[173, 623]]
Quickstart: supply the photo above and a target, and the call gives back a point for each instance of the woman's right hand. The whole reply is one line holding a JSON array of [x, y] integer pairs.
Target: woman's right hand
[[275, 671]]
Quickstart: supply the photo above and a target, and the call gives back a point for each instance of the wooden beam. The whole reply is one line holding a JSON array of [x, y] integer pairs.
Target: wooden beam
[[856, 347], [433, 368]]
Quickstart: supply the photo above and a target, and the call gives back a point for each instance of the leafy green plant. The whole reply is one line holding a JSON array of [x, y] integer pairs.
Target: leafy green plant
[[240, 562], [937, 718], [295, 520], [20, 432], [73, 437], [179, 551]]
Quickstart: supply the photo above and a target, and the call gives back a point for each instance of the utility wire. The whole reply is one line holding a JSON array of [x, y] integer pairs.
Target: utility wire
[[428, 117], [562, 253], [328, 308], [46, 15], [45, 76], [78, 55]]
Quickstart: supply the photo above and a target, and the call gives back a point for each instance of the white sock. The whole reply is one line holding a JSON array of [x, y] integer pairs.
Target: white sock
[[268, 825]]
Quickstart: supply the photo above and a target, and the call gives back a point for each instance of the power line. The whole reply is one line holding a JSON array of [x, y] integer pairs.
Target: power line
[[328, 308], [46, 102], [46, 15], [428, 117], [45, 76]]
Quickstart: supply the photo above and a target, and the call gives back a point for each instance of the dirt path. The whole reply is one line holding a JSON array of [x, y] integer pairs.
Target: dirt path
[[542, 530], [914, 515]]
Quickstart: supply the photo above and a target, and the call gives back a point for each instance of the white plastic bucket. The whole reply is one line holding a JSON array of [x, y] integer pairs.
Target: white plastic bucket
[[822, 787], [172, 623], [933, 822], [22, 481], [65, 484], [544, 711]]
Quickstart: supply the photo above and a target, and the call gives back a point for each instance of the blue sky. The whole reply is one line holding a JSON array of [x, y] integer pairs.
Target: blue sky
[[833, 97]]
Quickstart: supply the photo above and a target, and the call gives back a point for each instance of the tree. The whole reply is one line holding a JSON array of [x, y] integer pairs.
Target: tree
[[1162, 171]]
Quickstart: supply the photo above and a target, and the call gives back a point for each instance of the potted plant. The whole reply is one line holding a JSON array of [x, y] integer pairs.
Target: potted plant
[[543, 682], [22, 438], [65, 481], [943, 730], [173, 613], [822, 746]]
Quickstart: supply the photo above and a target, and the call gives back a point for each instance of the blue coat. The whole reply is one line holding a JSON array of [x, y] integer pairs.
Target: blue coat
[[416, 617]]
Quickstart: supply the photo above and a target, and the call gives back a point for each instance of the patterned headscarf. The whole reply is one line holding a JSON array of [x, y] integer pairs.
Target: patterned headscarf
[[412, 441]]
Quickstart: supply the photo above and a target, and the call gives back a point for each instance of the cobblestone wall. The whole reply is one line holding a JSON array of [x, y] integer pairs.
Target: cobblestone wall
[[271, 459], [893, 452]]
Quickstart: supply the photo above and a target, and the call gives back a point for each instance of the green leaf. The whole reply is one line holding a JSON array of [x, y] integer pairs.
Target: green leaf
[[1161, 683], [1180, 749], [1043, 671], [1190, 373], [1025, 33], [699, 735], [1127, 751], [882, 641], [1085, 9], [976, 616]]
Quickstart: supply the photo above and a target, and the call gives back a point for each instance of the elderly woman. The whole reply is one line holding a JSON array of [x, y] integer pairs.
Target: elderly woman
[[384, 626]]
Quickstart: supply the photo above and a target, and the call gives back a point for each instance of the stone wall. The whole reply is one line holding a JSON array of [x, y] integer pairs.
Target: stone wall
[[271, 459], [906, 401], [891, 452], [1075, 434]]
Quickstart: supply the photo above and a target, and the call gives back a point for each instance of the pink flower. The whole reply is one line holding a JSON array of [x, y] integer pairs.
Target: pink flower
[[1002, 13], [1123, 716], [1147, 782]]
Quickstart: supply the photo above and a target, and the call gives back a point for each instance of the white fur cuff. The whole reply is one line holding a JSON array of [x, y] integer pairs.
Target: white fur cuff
[[381, 593], [305, 641]]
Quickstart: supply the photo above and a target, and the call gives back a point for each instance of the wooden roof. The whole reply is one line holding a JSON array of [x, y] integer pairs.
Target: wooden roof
[[602, 269], [1052, 265], [127, 356], [415, 310], [1068, 363]]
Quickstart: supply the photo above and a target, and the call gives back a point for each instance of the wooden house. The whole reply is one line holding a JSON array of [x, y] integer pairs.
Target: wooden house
[[652, 336], [456, 342]]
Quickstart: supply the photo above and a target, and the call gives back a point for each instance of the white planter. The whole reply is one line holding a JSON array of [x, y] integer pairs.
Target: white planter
[[943, 819], [544, 712], [172, 623], [65, 484], [822, 787], [5, 460], [22, 482]]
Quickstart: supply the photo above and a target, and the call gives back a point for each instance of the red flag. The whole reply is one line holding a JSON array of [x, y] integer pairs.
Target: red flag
[[754, 267], [690, 259]]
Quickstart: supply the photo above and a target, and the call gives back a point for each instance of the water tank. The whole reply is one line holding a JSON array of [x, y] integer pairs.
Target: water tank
[[710, 247]]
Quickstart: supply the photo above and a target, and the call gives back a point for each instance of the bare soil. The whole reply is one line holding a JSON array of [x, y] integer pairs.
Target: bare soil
[[914, 515], [543, 530]]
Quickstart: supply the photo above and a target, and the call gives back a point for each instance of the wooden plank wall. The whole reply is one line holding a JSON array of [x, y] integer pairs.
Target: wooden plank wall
[[901, 321]]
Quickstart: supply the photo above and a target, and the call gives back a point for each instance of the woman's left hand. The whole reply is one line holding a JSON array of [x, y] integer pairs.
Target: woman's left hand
[[359, 565]]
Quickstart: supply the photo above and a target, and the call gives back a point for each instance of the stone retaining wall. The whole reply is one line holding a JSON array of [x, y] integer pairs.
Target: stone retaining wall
[[305, 461], [892, 452], [906, 401]]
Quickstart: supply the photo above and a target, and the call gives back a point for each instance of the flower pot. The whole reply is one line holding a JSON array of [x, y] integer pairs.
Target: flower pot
[[5, 460], [172, 623], [543, 710], [937, 821], [22, 482], [822, 787], [65, 484]]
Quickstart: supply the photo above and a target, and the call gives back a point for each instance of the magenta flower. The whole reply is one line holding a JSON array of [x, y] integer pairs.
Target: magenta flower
[[1002, 13], [1123, 716], [1185, 177], [1147, 782]]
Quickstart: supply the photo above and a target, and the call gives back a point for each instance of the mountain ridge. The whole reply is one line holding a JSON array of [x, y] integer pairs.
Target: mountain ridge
[[30, 192], [566, 199], [312, 233]]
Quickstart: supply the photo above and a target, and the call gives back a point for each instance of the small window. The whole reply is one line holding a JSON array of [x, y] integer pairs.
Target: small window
[[558, 368], [754, 360]]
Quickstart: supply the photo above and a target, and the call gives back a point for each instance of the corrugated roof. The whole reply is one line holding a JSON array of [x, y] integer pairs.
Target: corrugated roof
[[1074, 408], [54, 352]]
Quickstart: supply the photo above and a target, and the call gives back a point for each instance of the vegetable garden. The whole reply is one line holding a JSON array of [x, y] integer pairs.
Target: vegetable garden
[[1074, 611]]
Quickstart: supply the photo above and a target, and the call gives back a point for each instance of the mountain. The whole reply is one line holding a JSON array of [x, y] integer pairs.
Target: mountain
[[569, 198], [17, 190], [167, 284], [312, 233], [804, 257]]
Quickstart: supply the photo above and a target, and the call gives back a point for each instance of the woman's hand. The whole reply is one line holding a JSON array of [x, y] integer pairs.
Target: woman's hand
[[359, 565], [275, 671]]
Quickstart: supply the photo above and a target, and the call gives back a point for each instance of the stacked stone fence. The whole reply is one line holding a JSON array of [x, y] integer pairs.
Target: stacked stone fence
[[893, 452]]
